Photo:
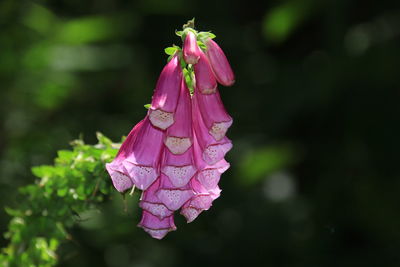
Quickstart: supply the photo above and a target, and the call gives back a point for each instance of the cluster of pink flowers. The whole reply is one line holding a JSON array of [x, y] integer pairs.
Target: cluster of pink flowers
[[176, 153]]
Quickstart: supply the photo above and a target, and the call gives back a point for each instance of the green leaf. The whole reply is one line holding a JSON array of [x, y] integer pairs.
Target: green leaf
[[147, 106], [202, 45], [170, 50]]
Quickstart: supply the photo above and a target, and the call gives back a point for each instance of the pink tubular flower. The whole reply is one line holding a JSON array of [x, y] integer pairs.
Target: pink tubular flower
[[205, 80], [172, 197], [191, 51], [150, 202], [119, 175], [165, 98], [214, 115], [212, 150], [179, 168], [202, 200], [142, 163], [155, 226], [219, 63], [179, 135]]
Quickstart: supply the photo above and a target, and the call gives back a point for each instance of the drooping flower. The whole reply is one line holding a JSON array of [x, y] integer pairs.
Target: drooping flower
[[179, 135], [142, 164], [219, 63], [150, 202], [212, 150], [176, 153], [214, 114], [119, 175], [205, 79], [173, 197], [155, 226], [191, 51], [166, 95]]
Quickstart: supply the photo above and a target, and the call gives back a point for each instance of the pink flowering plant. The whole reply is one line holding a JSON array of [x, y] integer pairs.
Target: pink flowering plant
[[175, 155]]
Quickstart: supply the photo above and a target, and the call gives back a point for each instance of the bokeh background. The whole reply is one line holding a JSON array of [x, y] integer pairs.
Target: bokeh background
[[315, 177]]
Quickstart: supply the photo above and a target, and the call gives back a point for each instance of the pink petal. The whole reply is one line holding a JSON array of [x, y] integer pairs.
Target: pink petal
[[210, 176], [179, 168], [165, 98], [202, 200], [214, 114], [155, 227], [171, 196], [152, 204], [212, 151], [191, 51], [119, 175], [219, 63], [120, 180], [143, 162], [179, 135], [190, 213], [205, 80]]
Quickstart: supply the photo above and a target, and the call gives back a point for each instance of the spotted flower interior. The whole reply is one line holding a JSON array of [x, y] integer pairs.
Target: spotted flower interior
[[176, 154]]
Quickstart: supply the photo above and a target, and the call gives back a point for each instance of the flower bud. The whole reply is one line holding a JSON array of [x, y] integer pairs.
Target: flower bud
[[191, 51], [219, 63]]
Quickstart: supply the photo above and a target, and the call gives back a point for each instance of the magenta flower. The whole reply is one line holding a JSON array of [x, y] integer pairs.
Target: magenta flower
[[142, 164], [212, 150], [150, 202], [205, 79], [191, 51], [155, 226], [214, 115], [119, 176], [179, 135], [219, 63], [166, 95], [176, 153]]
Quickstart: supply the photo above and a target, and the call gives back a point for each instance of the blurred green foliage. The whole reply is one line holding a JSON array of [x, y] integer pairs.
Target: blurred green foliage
[[76, 183], [314, 178]]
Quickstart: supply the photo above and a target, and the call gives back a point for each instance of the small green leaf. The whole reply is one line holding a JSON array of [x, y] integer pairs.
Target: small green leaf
[[170, 50], [179, 33], [147, 106], [202, 45]]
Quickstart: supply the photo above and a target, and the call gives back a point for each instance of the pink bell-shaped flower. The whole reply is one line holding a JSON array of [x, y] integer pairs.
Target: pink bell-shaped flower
[[212, 151], [202, 200], [179, 168], [214, 114], [219, 63], [191, 51], [119, 176], [172, 197], [155, 226], [179, 135], [205, 80], [143, 162], [165, 98], [150, 202]]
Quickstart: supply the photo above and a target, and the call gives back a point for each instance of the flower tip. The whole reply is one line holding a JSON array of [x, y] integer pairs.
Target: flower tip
[[121, 181], [191, 50]]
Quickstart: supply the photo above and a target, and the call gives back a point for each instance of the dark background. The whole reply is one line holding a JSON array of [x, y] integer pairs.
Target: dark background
[[315, 174]]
